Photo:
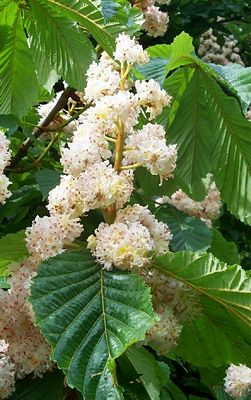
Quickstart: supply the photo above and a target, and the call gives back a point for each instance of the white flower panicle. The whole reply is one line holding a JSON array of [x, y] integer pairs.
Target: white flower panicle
[[159, 231], [211, 51], [152, 97], [4, 161], [88, 146], [207, 209], [148, 147], [238, 381], [125, 246], [156, 21], [129, 51], [27, 352], [48, 235], [7, 372]]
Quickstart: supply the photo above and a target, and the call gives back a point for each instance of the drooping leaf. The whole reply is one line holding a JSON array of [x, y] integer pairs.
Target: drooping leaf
[[89, 17], [224, 250], [150, 373], [12, 249], [68, 50], [90, 317], [19, 86], [221, 334], [47, 179], [188, 233]]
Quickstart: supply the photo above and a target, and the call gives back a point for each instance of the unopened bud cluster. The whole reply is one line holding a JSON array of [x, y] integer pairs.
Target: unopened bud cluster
[[4, 161], [211, 51]]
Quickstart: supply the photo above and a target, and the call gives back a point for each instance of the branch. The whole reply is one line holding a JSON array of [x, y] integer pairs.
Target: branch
[[62, 101]]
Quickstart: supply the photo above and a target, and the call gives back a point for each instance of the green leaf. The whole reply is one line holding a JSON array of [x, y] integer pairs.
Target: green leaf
[[90, 317], [231, 150], [191, 131], [150, 373], [239, 79], [49, 387], [221, 334], [19, 86], [130, 18], [12, 249], [66, 48], [47, 179], [89, 17], [188, 233], [224, 250]]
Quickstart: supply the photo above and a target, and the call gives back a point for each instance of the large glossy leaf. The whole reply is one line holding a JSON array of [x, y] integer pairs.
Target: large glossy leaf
[[47, 179], [221, 334], [224, 250], [12, 249], [188, 233], [89, 17], [19, 86], [191, 131], [90, 317], [68, 50]]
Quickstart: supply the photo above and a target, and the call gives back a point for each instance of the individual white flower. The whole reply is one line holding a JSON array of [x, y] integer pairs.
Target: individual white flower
[[88, 146], [102, 186], [128, 50], [152, 97], [238, 381], [121, 245], [48, 235], [165, 332], [156, 21], [4, 192], [102, 80], [122, 107], [159, 231], [7, 372], [148, 147], [66, 198]]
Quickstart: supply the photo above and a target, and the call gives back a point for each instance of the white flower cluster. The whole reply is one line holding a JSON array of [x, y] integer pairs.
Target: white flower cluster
[[174, 303], [155, 20], [4, 161], [211, 51], [207, 210], [23, 349], [129, 241], [238, 381]]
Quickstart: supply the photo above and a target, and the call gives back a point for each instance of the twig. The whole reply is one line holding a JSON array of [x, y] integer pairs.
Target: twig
[[62, 101]]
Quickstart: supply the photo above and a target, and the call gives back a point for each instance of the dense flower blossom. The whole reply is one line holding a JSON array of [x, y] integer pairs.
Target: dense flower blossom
[[125, 246], [159, 231], [7, 372], [152, 97], [128, 50], [156, 21], [207, 209], [148, 148], [4, 161], [48, 235], [87, 147], [238, 381]]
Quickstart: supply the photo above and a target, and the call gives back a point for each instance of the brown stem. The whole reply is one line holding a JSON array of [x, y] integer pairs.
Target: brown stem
[[62, 101]]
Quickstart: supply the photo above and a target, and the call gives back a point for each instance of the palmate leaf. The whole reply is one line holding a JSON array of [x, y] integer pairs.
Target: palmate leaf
[[68, 50], [19, 86], [89, 17], [89, 317], [221, 334]]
